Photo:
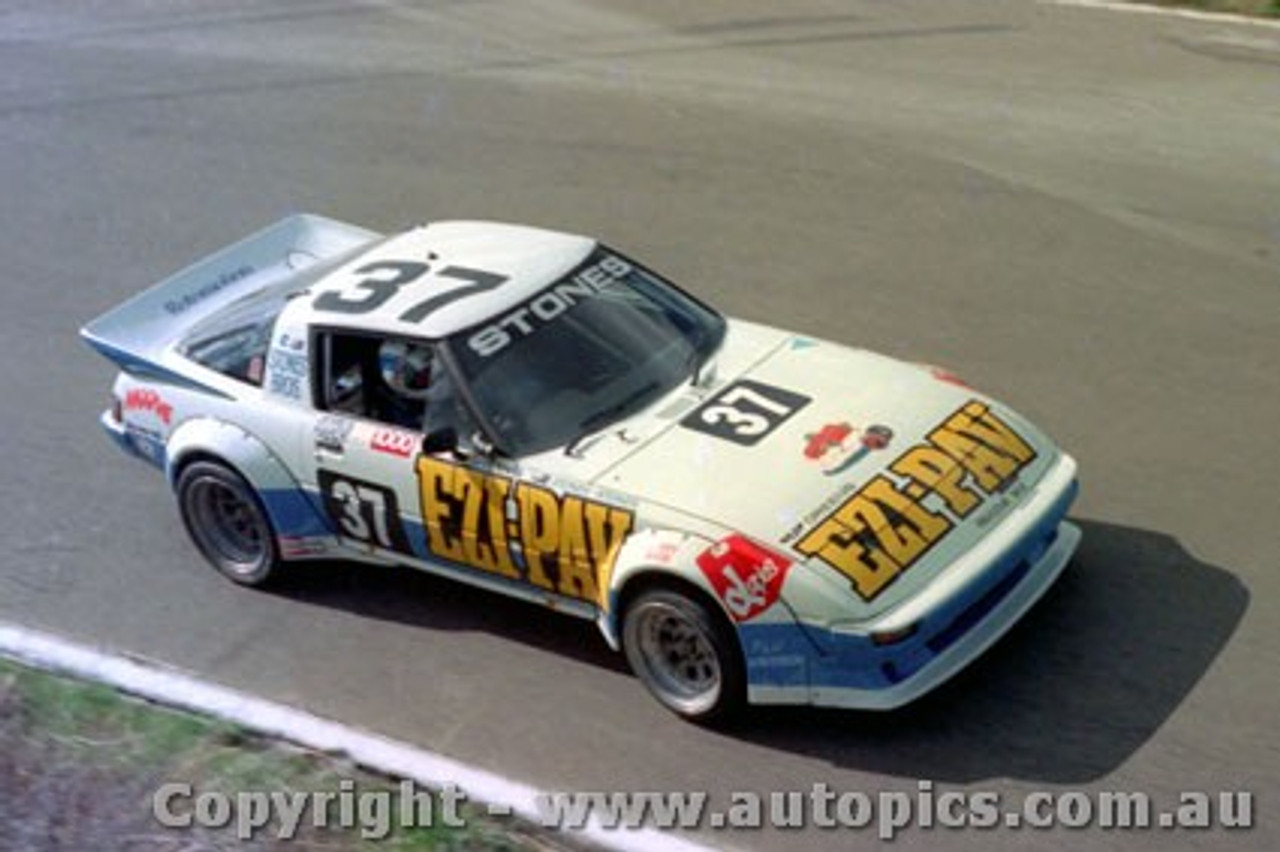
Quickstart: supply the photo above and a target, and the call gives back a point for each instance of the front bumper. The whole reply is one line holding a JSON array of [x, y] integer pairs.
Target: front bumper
[[1008, 571]]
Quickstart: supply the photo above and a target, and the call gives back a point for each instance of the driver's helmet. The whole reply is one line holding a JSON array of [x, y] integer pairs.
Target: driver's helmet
[[406, 367]]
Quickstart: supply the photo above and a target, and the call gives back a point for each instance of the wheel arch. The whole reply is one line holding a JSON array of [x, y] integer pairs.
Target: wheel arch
[[647, 577], [291, 511]]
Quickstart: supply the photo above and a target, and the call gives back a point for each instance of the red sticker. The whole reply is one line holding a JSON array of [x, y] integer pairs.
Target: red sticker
[[944, 375], [148, 400], [394, 442], [829, 437], [838, 446], [746, 576]]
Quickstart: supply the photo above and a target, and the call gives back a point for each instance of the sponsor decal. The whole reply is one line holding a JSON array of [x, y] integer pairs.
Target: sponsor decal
[[745, 576], [560, 542], [145, 399], [179, 304], [294, 343], [820, 511], [149, 443], [838, 446], [394, 442], [885, 527], [364, 511], [662, 552], [294, 546], [287, 371], [996, 506], [547, 306], [659, 547], [745, 412], [332, 431], [944, 375]]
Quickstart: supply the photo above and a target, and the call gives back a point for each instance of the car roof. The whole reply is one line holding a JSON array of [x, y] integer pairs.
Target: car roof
[[516, 262]]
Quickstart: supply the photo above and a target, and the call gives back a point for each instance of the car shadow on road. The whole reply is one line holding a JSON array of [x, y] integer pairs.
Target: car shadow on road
[[420, 600], [1068, 695]]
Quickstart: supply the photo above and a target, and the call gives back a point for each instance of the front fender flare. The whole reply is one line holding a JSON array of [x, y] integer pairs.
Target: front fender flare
[[655, 553]]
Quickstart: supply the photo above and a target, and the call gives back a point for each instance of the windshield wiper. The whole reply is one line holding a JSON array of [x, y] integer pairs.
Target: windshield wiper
[[602, 418]]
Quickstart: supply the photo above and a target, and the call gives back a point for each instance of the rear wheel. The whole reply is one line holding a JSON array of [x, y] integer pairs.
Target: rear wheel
[[227, 522], [685, 654]]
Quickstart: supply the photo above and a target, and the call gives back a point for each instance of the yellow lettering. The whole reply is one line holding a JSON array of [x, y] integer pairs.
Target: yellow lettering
[[477, 546], [496, 490], [569, 544], [979, 422], [907, 530], [539, 533], [989, 468], [439, 508], [883, 529], [607, 527], [938, 472], [577, 574], [838, 541]]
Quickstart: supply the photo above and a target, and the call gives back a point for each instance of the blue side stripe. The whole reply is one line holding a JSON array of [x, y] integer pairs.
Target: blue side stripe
[[294, 513]]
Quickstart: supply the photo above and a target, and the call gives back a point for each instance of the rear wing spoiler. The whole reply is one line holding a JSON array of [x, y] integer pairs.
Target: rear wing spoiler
[[135, 333]]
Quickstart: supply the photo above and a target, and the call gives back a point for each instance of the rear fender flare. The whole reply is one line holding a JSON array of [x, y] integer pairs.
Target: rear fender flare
[[292, 512]]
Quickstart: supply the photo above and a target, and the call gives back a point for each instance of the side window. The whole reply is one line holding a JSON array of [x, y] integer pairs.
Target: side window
[[234, 341], [239, 352], [393, 380], [341, 373]]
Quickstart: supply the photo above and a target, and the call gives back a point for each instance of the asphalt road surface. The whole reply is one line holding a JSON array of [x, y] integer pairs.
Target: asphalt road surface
[[1077, 210]]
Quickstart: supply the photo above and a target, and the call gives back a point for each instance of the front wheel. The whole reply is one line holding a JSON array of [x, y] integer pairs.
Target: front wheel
[[225, 519], [685, 654]]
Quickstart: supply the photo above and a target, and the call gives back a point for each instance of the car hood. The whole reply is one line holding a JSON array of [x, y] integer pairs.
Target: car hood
[[802, 445]]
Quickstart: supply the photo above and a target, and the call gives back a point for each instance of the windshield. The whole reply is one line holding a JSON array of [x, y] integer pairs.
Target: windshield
[[593, 348]]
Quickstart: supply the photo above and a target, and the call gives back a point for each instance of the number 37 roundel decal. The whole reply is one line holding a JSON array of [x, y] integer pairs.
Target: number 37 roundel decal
[[745, 412]]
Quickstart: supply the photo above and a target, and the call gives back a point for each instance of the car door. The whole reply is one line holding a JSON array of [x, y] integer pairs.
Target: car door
[[361, 460], [458, 514]]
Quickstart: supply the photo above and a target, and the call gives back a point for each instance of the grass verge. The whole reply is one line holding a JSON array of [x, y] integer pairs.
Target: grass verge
[[80, 764], [1259, 8]]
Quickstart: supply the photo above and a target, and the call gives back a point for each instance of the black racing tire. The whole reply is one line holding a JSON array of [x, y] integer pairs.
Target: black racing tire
[[227, 523], [685, 654]]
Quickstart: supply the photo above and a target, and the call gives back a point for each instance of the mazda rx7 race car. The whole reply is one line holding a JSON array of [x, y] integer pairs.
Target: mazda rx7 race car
[[751, 515]]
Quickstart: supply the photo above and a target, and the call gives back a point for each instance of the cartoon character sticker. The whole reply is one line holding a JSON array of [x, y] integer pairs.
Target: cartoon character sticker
[[838, 446]]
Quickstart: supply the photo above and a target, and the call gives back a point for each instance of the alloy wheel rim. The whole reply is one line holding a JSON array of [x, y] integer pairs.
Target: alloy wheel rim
[[678, 657], [228, 526]]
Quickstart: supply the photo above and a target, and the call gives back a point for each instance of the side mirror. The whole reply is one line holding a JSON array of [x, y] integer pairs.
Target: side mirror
[[440, 441], [445, 440]]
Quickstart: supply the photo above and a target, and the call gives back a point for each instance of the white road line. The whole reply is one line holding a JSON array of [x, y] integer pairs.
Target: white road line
[[383, 754], [1167, 11]]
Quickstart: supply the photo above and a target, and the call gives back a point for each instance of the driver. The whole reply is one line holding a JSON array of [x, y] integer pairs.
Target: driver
[[405, 367]]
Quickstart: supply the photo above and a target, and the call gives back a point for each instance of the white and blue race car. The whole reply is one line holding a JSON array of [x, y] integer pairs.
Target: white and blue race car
[[749, 514]]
